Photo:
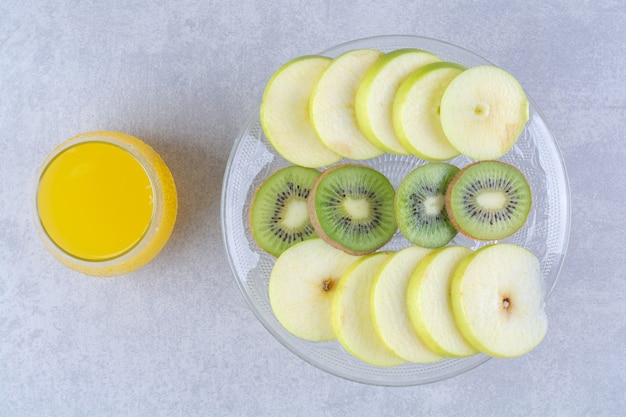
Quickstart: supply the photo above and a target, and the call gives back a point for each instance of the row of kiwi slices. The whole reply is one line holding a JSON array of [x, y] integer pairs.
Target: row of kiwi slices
[[355, 208]]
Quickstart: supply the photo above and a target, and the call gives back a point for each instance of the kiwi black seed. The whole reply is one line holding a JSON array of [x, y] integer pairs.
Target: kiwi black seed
[[488, 200], [420, 205], [351, 208], [278, 215]]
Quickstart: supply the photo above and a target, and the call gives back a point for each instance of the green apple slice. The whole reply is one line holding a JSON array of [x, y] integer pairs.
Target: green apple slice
[[301, 288], [498, 300], [285, 113], [352, 316], [375, 95], [483, 111], [389, 308], [332, 105], [416, 108], [428, 301]]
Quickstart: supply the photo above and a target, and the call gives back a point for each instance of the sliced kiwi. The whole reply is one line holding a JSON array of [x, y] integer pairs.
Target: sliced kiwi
[[278, 215], [488, 200], [420, 205], [351, 208]]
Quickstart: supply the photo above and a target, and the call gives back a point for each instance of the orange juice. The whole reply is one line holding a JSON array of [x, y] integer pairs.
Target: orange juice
[[106, 203], [95, 200]]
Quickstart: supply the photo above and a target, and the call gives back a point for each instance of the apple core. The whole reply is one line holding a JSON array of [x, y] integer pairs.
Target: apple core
[[481, 110]]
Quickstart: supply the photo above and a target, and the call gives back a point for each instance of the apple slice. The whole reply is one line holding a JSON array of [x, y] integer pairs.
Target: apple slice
[[428, 301], [374, 97], [352, 316], [389, 308], [285, 112], [498, 300], [301, 288], [415, 111], [332, 105], [483, 111]]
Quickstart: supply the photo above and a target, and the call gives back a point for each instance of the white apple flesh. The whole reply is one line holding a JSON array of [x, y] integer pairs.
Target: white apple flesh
[[416, 109], [332, 105], [302, 284], [389, 309], [498, 300], [428, 301], [284, 113], [374, 97], [352, 316], [483, 111]]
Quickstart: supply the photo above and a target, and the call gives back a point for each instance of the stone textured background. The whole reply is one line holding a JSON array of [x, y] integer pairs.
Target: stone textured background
[[176, 337]]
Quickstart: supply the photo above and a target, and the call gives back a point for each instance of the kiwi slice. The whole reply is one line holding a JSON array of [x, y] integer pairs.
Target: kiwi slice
[[488, 200], [351, 208], [278, 215], [420, 205]]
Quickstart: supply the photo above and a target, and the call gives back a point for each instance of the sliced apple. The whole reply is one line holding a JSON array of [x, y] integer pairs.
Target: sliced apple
[[389, 308], [332, 105], [416, 108], [429, 305], [301, 288], [374, 97], [498, 300], [352, 316], [285, 112], [483, 111]]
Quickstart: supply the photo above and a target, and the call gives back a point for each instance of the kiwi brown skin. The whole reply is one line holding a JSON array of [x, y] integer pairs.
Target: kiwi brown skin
[[315, 222], [448, 202]]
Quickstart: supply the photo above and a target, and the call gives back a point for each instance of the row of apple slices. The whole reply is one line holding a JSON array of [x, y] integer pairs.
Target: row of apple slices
[[414, 305], [363, 103]]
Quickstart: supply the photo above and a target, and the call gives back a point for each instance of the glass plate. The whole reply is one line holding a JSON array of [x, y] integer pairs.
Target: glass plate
[[252, 159]]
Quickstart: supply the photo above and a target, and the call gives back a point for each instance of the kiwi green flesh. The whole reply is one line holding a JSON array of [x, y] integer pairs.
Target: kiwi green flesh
[[489, 200], [420, 208], [278, 213], [354, 208]]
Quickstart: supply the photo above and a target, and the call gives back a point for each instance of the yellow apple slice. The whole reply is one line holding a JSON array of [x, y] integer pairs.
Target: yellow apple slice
[[301, 288], [389, 308], [374, 97], [483, 111], [352, 316], [285, 113], [416, 108], [332, 105], [428, 301], [498, 300]]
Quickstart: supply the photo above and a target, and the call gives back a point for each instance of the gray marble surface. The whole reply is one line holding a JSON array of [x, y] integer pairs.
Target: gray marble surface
[[176, 338]]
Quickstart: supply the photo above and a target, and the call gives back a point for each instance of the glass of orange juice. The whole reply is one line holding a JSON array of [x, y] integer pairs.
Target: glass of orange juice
[[106, 203]]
